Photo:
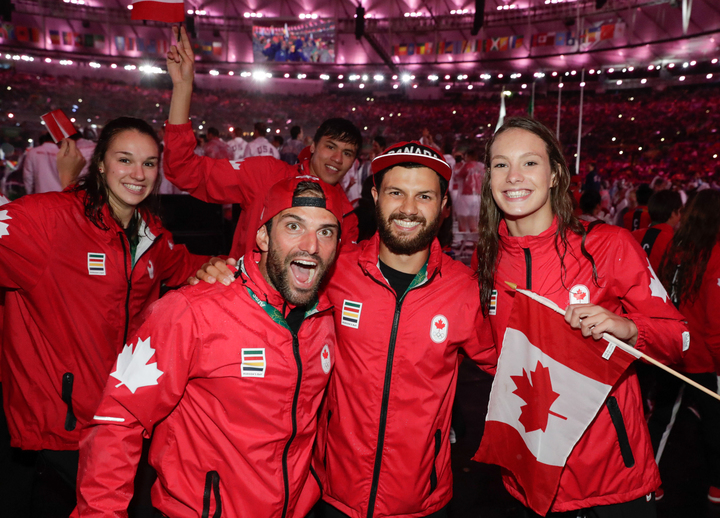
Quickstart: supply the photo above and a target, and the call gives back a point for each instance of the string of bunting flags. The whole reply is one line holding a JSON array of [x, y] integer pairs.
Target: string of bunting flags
[[546, 39], [11, 33]]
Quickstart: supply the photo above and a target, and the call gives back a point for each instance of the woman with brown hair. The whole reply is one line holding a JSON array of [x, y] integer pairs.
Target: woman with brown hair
[[690, 269], [529, 235], [80, 267]]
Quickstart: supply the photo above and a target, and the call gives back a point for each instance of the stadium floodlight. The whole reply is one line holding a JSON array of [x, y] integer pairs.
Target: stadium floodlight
[[405, 78]]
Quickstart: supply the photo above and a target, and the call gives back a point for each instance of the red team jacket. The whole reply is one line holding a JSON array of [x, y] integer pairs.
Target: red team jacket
[[604, 467], [233, 396], [704, 321], [72, 295], [390, 397], [655, 239], [244, 181]]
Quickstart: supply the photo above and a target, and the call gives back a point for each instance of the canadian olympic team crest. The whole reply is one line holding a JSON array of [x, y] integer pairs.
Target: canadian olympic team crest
[[325, 360], [439, 329], [579, 294]]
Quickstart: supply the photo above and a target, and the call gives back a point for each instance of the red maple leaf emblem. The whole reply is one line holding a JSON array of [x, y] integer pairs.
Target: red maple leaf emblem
[[440, 324], [579, 294], [536, 390], [325, 354]]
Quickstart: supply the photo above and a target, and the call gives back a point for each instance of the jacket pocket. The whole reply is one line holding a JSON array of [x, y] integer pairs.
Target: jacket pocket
[[619, 424], [433, 473], [212, 489], [67, 389]]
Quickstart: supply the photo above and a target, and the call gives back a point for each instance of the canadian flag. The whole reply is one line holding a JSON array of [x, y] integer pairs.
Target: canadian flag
[[550, 384], [169, 11]]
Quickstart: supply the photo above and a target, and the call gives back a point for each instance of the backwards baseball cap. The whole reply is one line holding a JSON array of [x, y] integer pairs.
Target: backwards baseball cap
[[412, 152], [281, 197]]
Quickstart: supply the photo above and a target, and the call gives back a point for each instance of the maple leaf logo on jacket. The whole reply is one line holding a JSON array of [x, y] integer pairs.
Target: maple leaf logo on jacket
[[3, 226], [438, 329], [538, 396], [133, 369], [579, 294]]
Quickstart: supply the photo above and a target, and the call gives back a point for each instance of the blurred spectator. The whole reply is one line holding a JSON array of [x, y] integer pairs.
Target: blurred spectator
[[291, 149], [215, 147], [639, 216], [260, 146], [237, 144], [664, 208]]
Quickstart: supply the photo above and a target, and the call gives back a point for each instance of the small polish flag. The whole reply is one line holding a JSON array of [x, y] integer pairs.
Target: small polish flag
[[169, 11], [58, 125]]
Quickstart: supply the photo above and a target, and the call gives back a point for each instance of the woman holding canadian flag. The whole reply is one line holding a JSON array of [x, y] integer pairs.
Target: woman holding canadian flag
[[529, 236]]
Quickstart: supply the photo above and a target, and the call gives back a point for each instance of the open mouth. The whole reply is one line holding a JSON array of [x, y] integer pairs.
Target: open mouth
[[405, 224], [304, 271], [517, 194], [137, 189]]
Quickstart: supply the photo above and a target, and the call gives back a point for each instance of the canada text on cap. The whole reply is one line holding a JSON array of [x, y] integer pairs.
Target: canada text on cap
[[415, 153]]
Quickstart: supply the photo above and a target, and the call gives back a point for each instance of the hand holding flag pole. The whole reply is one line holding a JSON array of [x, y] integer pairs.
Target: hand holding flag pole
[[615, 342]]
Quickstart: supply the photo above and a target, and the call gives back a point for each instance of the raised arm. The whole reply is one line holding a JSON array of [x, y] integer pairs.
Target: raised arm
[[181, 67]]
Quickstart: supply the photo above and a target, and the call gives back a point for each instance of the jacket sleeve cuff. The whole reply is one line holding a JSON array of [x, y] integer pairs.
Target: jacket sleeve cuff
[[178, 128], [642, 329]]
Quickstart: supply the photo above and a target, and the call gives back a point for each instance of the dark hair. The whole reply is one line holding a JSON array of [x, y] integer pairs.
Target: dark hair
[[382, 142], [278, 139], [45, 137], [662, 204], [260, 129], [589, 200], [339, 129], [213, 131], [445, 232], [560, 201], [643, 193], [378, 178], [471, 155], [295, 132], [683, 266], [94, 183]]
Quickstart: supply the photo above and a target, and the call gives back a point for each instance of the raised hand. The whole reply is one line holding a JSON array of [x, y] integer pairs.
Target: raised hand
[[180, 58], [181, 67], [70, 162]]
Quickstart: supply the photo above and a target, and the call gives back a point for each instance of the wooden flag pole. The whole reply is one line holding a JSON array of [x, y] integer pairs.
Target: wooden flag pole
[[619, 343]]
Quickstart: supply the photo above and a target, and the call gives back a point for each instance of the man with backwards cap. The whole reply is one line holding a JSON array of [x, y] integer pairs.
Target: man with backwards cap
[[403, 309], [228, 380]]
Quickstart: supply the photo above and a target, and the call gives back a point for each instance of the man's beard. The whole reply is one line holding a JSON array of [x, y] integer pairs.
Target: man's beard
[[400, 246], [279, 272]]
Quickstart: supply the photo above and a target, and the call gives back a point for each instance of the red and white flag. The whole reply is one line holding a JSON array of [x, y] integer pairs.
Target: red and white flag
[[550, 384], [169, 11], [58, 125]]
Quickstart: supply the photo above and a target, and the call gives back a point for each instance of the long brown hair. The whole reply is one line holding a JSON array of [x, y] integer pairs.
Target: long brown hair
[[94, 183], [560, 200], [684, 263]]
